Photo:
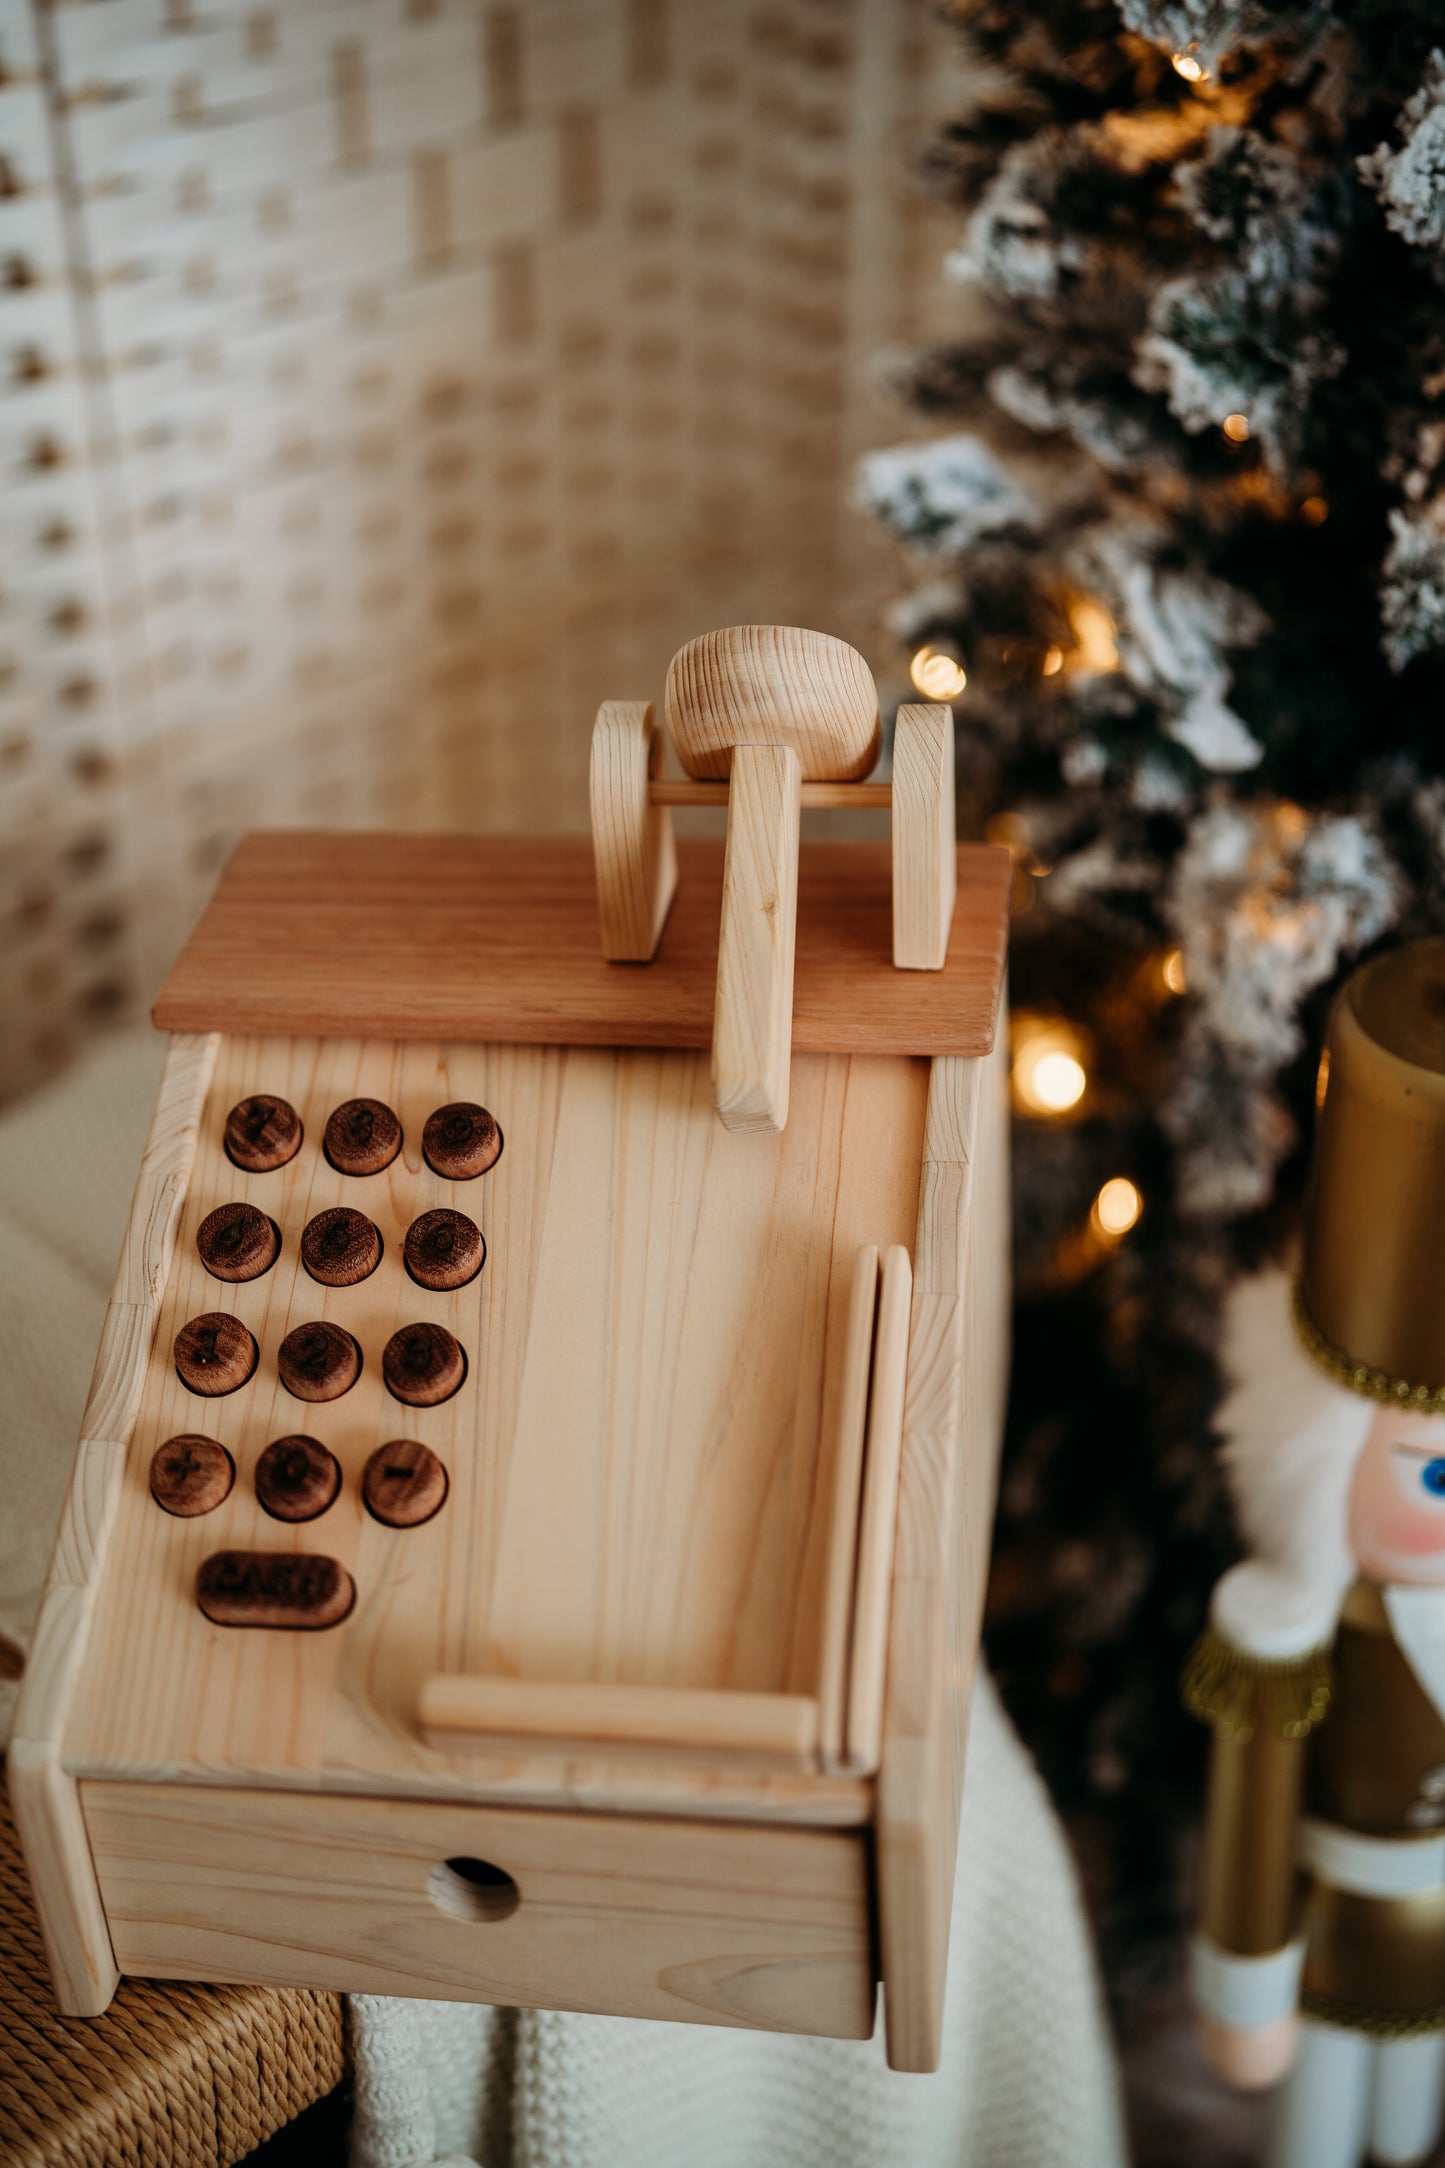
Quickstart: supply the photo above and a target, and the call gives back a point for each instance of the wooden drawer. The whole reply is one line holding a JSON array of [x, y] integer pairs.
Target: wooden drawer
[[720, 1923]]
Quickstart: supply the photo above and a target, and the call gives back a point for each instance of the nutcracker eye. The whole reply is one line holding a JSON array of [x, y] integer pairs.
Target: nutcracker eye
[[1432, 1475]]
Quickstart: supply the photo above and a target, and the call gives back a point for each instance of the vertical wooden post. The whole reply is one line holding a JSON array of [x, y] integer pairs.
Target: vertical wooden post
[[924, 851], [632, 844]]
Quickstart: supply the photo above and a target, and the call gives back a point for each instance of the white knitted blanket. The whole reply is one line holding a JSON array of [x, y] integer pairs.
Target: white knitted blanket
[[1027, 2079]]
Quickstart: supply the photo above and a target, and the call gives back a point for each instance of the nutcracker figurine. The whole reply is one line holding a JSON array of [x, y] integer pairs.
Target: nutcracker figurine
[[1321, 1945]]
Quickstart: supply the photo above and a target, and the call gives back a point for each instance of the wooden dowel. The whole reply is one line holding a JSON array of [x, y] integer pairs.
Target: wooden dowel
[[879, 1520], [607, 1720], [683, 790]]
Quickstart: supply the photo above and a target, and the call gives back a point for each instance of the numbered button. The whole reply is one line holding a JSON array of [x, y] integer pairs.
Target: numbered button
[[297, 1479], [318, 1362], [214, 1354], [423, 1365]]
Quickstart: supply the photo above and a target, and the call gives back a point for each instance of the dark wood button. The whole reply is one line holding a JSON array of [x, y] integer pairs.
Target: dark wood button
[[296, 1478], [191, 1475], [460, 1141], [362, 1137], [404, 1483], [422, 1365], [299, 1589], [262, 1133], [236, 1242], [318, 1362], [340, 1247], [214, 1354], [444, 1249]]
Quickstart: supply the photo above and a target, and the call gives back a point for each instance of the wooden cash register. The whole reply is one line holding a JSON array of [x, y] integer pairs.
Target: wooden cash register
[[527, 1536]]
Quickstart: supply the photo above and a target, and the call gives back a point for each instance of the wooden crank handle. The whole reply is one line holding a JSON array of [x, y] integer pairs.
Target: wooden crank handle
[[752, 1039]]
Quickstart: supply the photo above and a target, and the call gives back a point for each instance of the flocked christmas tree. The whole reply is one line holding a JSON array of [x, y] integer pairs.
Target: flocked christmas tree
[[1185, 537]]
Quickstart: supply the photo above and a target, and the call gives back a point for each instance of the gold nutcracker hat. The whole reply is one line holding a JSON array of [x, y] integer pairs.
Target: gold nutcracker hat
[[1370, 1302]]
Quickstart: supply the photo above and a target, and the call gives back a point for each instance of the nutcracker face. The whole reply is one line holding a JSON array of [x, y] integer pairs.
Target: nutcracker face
[[1397, 1499]]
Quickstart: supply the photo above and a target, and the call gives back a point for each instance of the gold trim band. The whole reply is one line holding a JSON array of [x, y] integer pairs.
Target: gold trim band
[[1364, 2018], [1240, 1694], [1359, 1378]]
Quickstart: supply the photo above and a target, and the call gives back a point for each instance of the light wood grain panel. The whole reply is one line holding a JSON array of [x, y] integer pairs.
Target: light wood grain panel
[[752, 1038], [924, 846], [641, 1460], [632, 841], [495, 938], [673, 790], [945, 1509], [47, 1814], [765, 1928]]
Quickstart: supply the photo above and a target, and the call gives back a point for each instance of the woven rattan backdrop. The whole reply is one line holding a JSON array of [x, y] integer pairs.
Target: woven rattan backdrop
[[386, 381]]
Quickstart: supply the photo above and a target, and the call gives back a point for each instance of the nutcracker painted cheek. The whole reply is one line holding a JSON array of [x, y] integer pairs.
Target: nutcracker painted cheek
[[1397, 1500]]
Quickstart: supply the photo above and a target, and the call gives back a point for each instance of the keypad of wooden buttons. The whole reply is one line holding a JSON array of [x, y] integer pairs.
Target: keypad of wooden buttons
[[297, 1478]]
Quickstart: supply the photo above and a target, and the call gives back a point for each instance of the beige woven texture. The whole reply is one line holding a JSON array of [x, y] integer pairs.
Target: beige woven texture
[[170, 2077], [382, 384]]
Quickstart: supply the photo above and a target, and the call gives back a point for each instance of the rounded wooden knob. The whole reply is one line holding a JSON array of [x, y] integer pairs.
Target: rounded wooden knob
[[404, 1483], [318, 1362], [262, 1133], [423, 1365], [293, 1589], [214, 1354], [340, 1247], [296, 1478], [444, 1249], [773, 685], [236, 1242], [362, 1137], [461, 1141], [191, 1475]]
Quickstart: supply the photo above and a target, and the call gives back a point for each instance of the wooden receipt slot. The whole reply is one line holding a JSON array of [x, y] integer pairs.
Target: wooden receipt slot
[[492, 1456]]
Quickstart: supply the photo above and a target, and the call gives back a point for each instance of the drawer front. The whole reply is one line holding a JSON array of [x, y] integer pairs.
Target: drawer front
[[708, 1923]]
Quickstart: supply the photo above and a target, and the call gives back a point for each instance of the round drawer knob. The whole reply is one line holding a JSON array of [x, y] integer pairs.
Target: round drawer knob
[[318, 1362], [262, 1133], [214, 1354], [191, 1475], [423, 1365], [404, 1483], [362, 1137], [340, 1247], [236, 1242], [444, 1249]]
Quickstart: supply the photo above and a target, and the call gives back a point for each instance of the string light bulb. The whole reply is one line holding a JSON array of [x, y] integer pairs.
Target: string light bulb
[[1315, 510], [1174, 972], [1093, 634], [1117, 1208], [1191, 68], [937, 675], [1236, 428], [1052, 663], [1048, 1076]]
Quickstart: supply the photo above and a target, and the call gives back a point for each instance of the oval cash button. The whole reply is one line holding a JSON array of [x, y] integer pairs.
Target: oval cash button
[[300, 1589]]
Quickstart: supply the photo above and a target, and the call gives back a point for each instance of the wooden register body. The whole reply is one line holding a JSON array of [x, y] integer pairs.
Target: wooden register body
[[687, 1652]]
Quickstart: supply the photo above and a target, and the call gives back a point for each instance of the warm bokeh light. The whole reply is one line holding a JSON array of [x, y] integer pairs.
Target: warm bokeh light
[[1322, 1078], [1049, 1076], [1185, 64], [1315, 510], [1052, 663], [1174, 973], [1117, 1207], [937, 676], [1236, 428], [1093, 634]]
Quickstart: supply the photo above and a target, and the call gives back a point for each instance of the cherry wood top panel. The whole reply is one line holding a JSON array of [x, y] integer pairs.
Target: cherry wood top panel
[[496, 938]]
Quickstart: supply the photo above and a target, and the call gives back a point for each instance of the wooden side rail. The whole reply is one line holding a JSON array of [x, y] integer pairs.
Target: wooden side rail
[[468, 1711]]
